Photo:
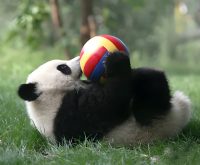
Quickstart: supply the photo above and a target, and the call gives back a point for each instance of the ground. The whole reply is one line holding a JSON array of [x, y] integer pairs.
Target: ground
[[21, 144]]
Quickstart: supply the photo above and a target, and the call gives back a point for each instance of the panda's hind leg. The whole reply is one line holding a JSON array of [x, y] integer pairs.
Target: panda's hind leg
[[151, 95]]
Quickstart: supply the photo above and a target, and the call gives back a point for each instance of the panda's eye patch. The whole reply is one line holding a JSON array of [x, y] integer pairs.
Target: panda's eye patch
[[64, 69]]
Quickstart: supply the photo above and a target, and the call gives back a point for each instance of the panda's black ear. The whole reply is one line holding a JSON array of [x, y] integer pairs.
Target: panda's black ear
[[28, 91]]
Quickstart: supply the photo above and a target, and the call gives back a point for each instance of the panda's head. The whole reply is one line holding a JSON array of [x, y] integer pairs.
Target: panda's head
[[53, 76]]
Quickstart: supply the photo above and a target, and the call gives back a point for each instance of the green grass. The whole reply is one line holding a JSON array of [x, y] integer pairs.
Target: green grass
[[21, 144]]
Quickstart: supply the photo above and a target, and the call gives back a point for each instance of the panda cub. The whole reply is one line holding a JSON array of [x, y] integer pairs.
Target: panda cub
[[132, 106]]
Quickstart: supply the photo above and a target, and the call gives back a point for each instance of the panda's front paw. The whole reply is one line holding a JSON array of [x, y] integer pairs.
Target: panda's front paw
[[117, 64]]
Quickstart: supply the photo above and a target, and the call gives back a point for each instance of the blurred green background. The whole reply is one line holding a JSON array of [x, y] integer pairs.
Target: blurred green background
[[158, 33], [163, 34]]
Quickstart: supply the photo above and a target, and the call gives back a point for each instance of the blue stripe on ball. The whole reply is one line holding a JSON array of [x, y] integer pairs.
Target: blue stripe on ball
[[99, 69]]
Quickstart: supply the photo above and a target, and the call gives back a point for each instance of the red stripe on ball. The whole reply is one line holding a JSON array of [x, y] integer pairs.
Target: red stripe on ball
[[120, 46], [93, 61]]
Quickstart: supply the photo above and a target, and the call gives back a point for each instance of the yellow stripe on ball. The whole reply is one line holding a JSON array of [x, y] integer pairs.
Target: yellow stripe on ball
[[107, 44], [92, 45], [84, 59]]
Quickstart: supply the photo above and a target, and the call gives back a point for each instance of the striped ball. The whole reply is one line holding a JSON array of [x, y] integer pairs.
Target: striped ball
[[94, 53]]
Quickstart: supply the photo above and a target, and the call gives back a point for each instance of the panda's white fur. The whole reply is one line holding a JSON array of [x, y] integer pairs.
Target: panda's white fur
[[52, 85], [130, 132]]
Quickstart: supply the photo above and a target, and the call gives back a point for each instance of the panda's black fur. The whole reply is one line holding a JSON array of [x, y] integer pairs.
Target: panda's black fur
[[28, 91], [94, 109], [151, 95]]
